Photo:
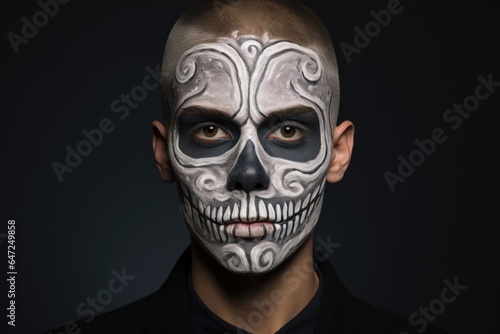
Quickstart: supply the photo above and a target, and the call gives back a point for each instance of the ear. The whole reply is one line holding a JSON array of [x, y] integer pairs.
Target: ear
[[343, 142], [160, 150]]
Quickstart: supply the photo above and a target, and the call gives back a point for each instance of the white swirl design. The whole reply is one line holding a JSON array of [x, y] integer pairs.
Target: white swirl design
[[235, 259], [263, 256]]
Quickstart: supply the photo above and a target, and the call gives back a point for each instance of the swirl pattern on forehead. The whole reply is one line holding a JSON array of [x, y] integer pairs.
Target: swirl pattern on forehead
[[268, 65], [249, 60], [186, 71]]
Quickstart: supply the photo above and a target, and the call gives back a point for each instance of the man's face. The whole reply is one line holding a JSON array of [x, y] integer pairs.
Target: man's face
[[250, 143]]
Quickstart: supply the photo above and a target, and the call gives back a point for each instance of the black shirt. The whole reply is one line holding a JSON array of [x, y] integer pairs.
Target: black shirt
[[207, 322], [170, 310]]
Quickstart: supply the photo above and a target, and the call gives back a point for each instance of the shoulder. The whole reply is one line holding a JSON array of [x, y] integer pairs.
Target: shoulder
[[167, 309], [376, 320], [344, 313]]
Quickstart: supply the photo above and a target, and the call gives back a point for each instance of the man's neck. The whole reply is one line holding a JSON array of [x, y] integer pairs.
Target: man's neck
[[257, 304]]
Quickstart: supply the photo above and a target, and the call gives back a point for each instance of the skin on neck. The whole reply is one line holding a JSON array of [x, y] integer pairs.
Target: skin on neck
[[259, 304]]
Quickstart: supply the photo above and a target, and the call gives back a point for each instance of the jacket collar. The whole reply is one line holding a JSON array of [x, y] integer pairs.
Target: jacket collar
[[171, 309]]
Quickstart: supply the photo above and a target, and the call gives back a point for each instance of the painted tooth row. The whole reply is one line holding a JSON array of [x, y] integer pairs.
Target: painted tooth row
[[285, 229], [297, 213], [217, 231], [279, 213], [222, 233], [270, 213]]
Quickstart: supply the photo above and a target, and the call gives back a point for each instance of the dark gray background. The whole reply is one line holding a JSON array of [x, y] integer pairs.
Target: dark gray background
[[113, 211]]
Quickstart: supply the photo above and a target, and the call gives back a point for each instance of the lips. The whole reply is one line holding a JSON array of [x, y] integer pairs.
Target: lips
[[227, 223], [249, 230]]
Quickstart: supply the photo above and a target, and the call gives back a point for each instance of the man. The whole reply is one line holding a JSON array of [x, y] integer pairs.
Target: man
[[251, 96]]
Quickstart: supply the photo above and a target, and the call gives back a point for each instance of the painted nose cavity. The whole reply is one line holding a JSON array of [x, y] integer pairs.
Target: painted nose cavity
[[248, 173]]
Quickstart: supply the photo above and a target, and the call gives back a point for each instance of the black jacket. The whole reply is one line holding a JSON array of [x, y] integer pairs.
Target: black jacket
[[169, 310]]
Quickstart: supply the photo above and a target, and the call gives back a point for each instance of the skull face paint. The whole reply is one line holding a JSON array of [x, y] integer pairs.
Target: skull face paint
[[250, 142]]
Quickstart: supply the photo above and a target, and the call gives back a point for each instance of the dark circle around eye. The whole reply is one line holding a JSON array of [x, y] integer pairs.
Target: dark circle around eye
[[210, 131], [288, 131]]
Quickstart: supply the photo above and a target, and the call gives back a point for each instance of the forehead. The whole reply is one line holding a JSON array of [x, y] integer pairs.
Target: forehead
[[249, 77]]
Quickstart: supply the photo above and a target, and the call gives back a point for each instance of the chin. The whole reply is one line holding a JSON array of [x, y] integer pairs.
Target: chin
[[262, 248]]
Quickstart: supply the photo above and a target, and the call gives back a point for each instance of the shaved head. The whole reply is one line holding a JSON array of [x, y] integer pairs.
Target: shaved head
[[289, 21]]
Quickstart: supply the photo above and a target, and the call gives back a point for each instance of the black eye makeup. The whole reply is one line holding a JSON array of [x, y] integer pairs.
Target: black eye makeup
[[206, 133], [291, 134]]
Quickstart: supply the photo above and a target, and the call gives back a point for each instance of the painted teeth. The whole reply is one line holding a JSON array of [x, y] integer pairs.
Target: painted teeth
[[252, 209], [222, 233], [219, 214], [208, 223], [289, 228], [207, 211], [303, 215], [235, 214], [311, 207], [315, 192], [262, 210], [283, 231], [227, 215], [214, 214], [243, 211], [277, 230], [306, 201], [278, 212], [297, 206], [271, 212], [215, 231], [287, 216]]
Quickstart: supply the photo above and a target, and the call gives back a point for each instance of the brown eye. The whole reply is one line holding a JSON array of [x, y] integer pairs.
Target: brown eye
[[288, 134], [288, 131], [211, 133]]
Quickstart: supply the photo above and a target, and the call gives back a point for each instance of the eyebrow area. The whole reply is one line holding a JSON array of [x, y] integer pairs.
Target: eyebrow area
[[209, 113], [290, 112], [216, 114]]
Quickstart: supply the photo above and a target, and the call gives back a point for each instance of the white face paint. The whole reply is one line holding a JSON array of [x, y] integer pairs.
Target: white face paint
[[250, 143]]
